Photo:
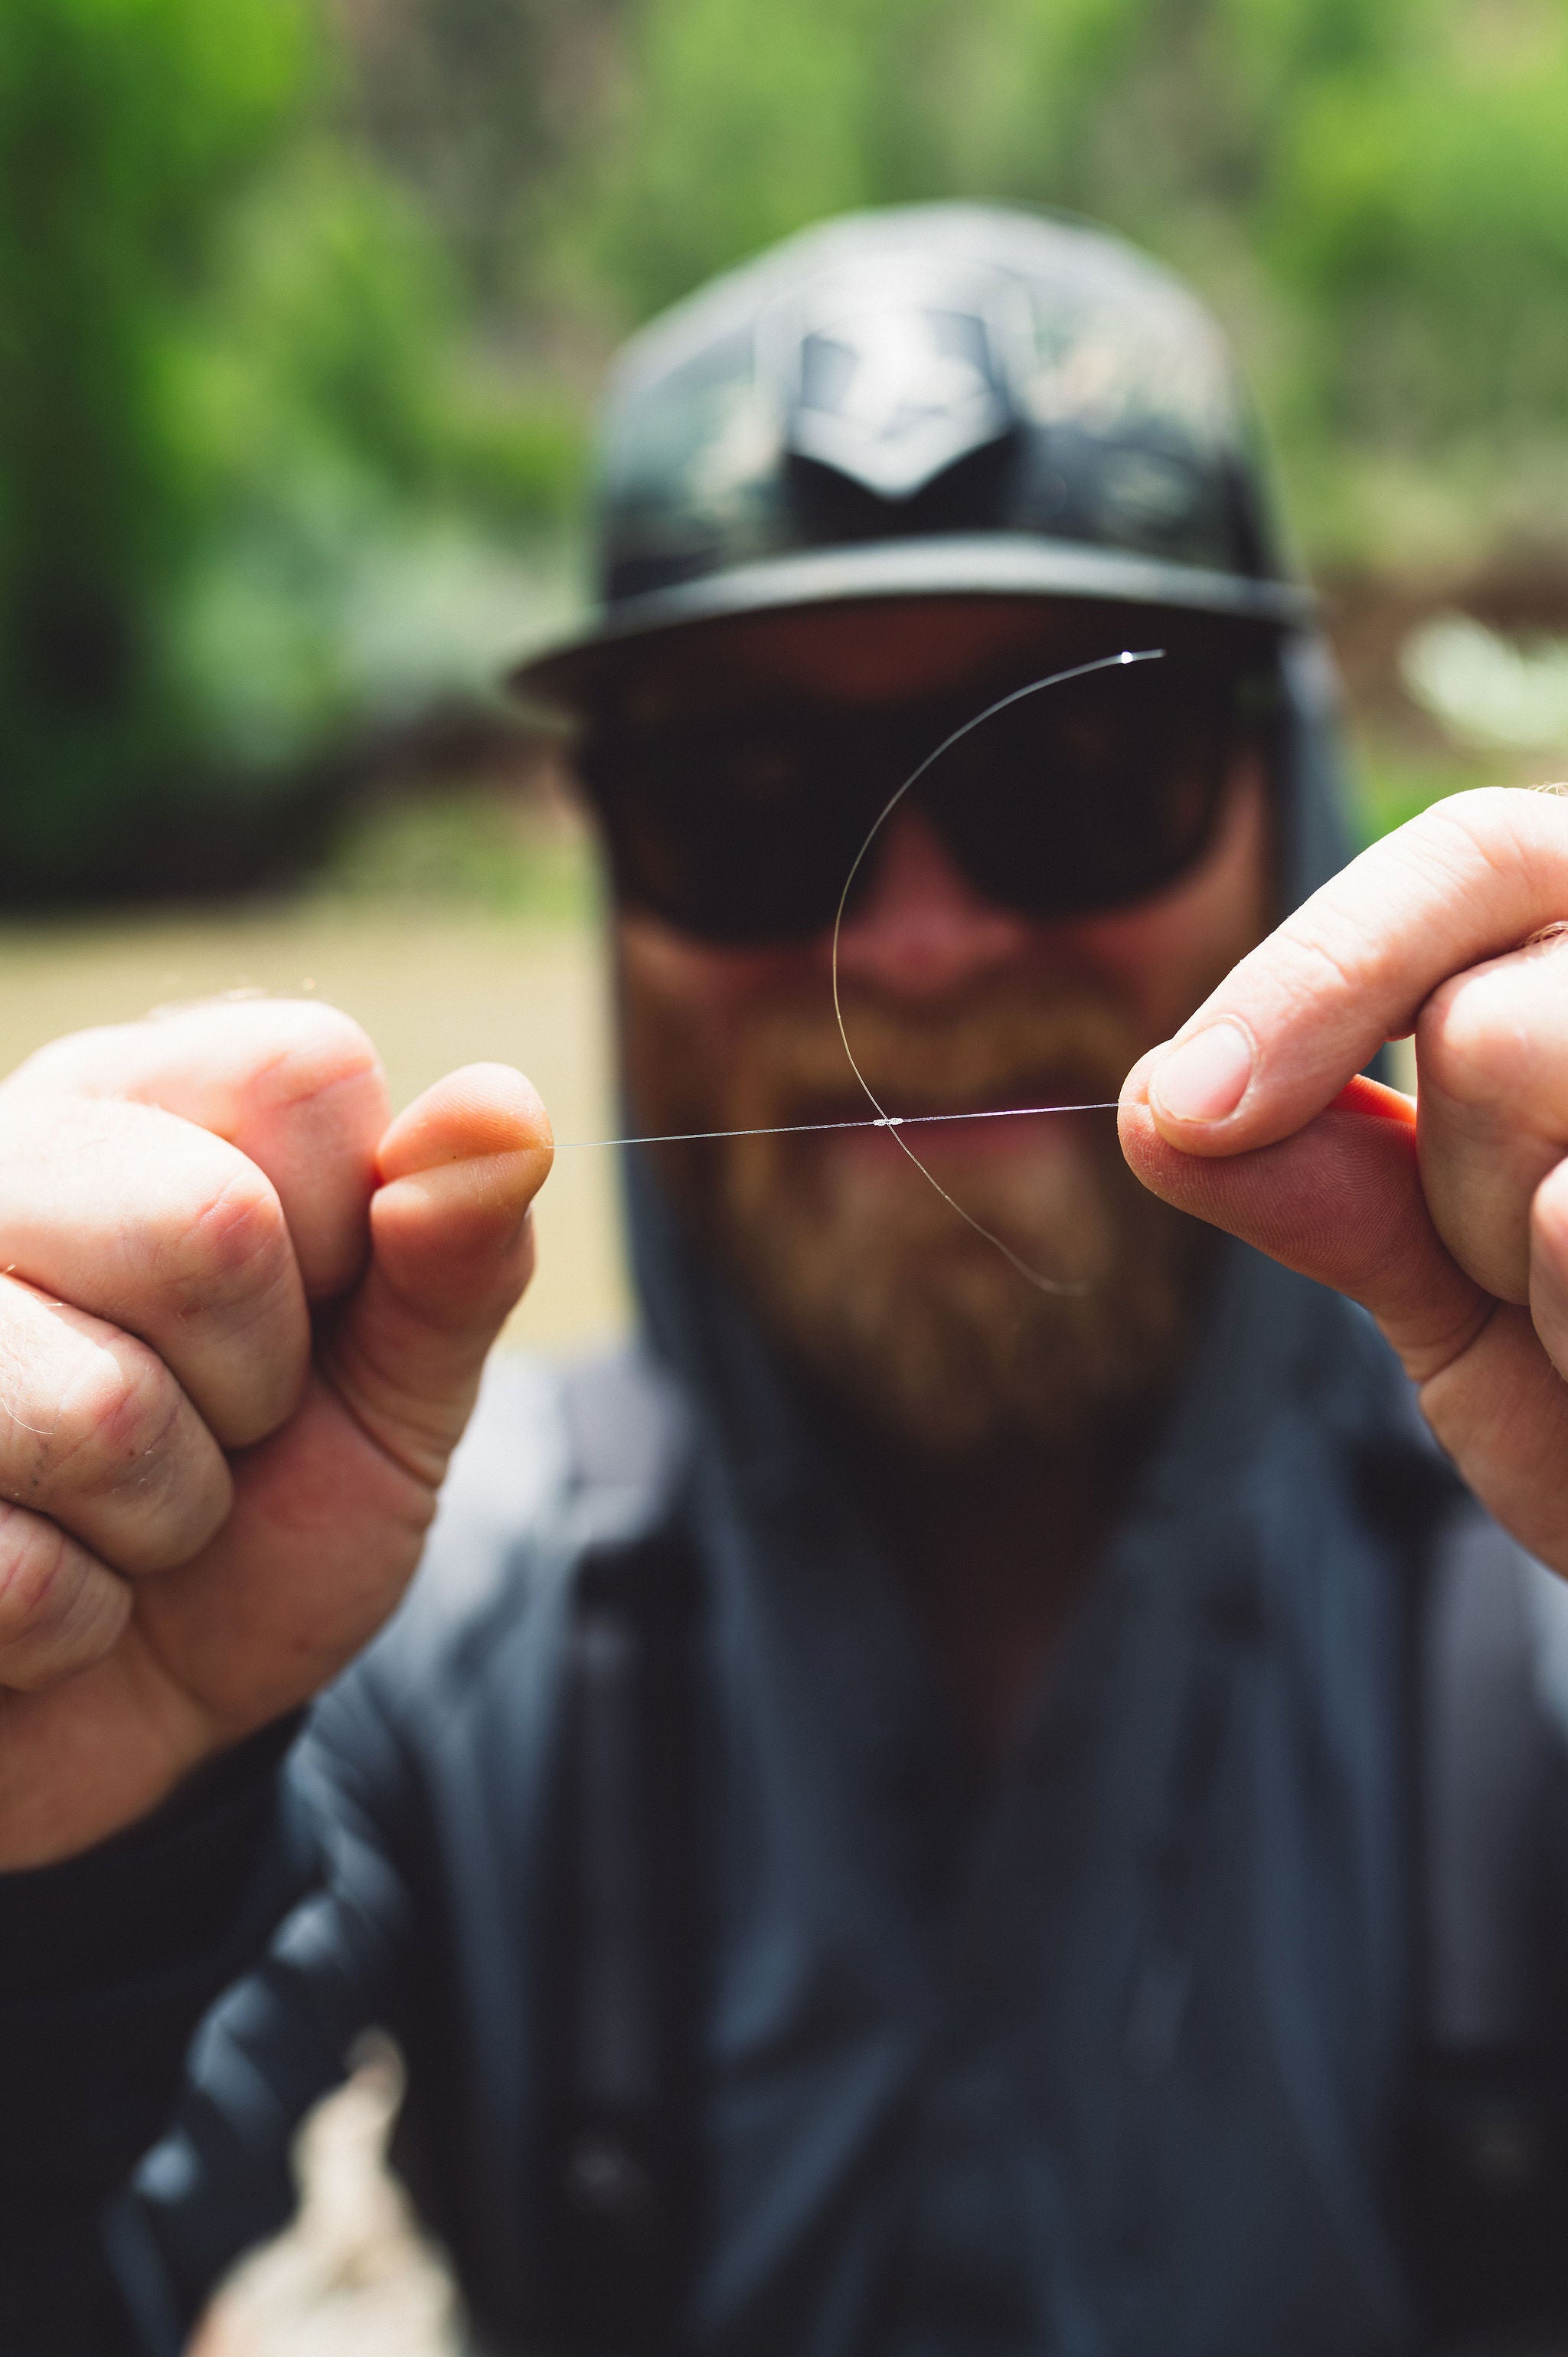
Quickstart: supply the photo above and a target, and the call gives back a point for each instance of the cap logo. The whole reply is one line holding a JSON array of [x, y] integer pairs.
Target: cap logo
[[892, 393]]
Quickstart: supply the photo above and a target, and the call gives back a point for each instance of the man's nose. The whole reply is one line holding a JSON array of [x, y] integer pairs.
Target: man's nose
[[922, 929]]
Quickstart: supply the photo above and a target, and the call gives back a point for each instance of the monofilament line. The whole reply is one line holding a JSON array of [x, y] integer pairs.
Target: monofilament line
[[1035, 687], [895, 1122], [809, 1128]]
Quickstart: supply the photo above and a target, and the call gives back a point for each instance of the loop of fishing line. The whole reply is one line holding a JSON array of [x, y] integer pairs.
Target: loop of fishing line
[[892, 1121], [1055, 679]]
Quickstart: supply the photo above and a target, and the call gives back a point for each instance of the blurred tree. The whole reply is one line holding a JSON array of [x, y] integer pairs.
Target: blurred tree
[[1375, 198], [300, 301], [1418, 220], [253, 498], [123, 127], [484, 105]]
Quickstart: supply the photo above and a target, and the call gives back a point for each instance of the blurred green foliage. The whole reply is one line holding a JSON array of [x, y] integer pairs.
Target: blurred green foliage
[[1393, 784], [255, 493], [467, 848], [1375, 196], [301, 303]]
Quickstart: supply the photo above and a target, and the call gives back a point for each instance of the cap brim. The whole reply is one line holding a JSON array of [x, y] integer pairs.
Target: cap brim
[[560, 680]]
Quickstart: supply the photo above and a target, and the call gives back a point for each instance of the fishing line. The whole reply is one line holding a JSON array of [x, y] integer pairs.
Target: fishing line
[[891, 1121], [1056, 679], [809, 1128]]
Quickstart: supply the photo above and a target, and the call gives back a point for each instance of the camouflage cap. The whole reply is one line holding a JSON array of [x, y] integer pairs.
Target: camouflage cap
[[934, 401]]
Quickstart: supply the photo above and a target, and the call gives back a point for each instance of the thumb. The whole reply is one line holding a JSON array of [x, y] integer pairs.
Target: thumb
[[1341, 1200], [451, 1252]]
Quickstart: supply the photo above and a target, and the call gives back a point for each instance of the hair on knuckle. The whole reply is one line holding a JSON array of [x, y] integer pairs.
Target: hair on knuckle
[[114, 1425]]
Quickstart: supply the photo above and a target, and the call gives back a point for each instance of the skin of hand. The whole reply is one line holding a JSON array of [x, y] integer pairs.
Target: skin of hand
[[243, 1321], [1446, 1218]]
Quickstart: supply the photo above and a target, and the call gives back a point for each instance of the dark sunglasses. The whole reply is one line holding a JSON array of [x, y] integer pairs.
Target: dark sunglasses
[[1086, 797]]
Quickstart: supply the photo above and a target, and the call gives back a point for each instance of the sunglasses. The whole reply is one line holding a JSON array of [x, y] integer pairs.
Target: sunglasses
[[1095, 793]]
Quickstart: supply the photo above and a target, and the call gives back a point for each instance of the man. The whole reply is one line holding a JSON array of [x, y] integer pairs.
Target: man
[[981, 1790]]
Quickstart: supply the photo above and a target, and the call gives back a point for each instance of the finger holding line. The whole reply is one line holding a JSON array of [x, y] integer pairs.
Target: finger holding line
[[1492, 1056], [133, 1681], [61, 1609], [195, 1178], [1451, 1227], [1548, 1265], [330, 1512], [96, 1434], [1470, 880], [295, 1085], [452, 1252], [1342, 1202], [167, 1232]]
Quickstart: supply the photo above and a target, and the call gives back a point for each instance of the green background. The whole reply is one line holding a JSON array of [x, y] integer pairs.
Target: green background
[[302, 307]]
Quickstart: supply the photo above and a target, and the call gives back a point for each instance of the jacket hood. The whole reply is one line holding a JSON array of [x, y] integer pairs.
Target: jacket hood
[[693, 1319]]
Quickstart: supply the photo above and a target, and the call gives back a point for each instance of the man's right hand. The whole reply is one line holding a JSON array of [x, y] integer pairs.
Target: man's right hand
[[242, 1326]]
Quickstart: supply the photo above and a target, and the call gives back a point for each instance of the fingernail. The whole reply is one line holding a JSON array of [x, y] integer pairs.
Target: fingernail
[[1204, 1076]]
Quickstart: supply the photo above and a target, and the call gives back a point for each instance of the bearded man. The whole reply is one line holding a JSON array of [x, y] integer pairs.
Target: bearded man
[[987, 1788]]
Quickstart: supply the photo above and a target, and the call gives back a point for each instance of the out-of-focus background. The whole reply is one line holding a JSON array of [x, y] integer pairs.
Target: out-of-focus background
[[303, 305]]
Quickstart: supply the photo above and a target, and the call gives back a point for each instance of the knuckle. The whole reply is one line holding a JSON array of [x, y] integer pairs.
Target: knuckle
[[1496, 823], [1436, 857], [1357, 919], [1329, 955], [58, 1611], [113, 1422], [1494, 847], [228, 1247], [41, 1577], [1488, 1037], [313, 1050], [1459, 1047], [1548, 1214], [72, 1063]]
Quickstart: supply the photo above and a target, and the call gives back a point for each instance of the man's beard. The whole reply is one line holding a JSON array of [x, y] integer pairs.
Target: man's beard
[[873, 1285]]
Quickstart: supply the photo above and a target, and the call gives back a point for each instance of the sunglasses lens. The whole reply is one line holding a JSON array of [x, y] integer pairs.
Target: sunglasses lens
[[736, 834], [1092, 794], [1088, 796]]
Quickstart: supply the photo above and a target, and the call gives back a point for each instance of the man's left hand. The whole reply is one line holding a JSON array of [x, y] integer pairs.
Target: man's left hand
[[1449, 1222]]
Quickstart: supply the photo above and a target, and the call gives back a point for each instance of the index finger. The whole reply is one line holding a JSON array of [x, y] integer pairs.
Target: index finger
[[294, 1084], [1470, 879]]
